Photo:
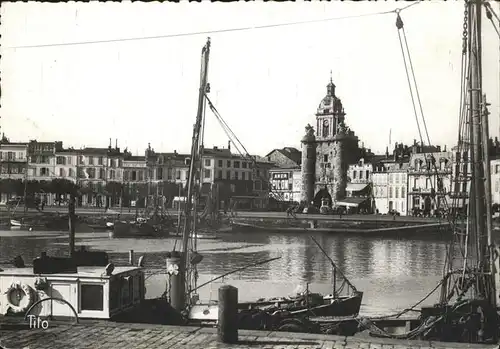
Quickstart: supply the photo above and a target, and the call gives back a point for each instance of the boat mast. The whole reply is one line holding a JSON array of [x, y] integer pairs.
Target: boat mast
[[195, 148], [481, 168]]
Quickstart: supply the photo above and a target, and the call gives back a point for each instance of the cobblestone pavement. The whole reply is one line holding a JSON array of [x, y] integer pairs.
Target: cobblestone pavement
[[137, 336]]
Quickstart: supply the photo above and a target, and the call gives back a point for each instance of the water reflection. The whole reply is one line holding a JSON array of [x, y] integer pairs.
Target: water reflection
[[393, 273]]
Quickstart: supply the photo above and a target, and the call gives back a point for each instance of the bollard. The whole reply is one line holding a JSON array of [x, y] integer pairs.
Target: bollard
[[227, 328], [176, 288], [131, 257]]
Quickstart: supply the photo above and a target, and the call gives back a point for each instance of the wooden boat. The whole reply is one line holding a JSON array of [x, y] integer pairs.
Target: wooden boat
[[15, 223], [130, 229], [310, 303]]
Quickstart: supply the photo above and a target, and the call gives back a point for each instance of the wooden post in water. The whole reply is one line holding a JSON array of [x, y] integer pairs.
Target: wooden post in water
[[227, 329], [71, 224]]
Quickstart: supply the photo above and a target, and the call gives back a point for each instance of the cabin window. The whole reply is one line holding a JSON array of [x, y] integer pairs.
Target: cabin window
[[91, 297]]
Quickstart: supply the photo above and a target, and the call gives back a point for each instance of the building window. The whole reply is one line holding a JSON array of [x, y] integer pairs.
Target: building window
[[403, 192], [228, 163], [177, 174], [69, 160], [91, 160], [208, 173], [208, 162], [236, 164], [497, 169], [133, 176], [228, 174], [220, 163], [354, 174], [235, 174], [125, 175], [219, 174], [243, 164], [396, 190], [290, 186], [367, 174], [112, 174], [60, 160], [80, 160], [390, 192], [325, 158], [159, 173], [92, 297]]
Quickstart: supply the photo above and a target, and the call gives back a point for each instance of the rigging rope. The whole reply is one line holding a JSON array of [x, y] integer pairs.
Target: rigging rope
[[244, 154], [267, 26]]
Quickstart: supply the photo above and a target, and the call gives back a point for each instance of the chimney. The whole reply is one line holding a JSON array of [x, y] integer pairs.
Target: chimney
[[438, 148], [445, 147], [387, 152], [116, 143], [109, 147], [175, 152], [216, 148], [229, 145]]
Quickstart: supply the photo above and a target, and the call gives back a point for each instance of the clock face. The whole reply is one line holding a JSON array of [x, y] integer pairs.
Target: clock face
[[325, 123]]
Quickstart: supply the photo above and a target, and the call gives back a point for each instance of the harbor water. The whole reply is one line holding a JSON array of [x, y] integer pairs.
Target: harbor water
[[394, 274]]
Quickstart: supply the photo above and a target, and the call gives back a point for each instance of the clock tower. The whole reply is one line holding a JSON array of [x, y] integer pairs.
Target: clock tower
[[335, 147]]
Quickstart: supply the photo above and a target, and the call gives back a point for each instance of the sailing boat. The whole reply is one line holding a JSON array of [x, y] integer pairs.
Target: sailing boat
[[184, 262], [467, 308]]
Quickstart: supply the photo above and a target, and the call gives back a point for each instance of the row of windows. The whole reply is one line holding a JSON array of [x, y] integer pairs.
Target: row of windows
[[235, 163], [361, 173], [12, 155], [231, 175], [394, 192]]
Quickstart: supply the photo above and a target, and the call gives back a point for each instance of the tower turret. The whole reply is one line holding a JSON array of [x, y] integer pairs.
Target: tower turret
[[308, 165]]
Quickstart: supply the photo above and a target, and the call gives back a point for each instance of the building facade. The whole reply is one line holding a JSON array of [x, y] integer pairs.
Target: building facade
[[429, 182]]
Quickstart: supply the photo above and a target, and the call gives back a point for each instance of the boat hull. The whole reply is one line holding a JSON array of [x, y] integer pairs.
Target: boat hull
[[342, 306], [128, 230]]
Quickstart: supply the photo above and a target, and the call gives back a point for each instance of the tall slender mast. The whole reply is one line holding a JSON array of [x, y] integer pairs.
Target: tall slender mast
[[195, 147]]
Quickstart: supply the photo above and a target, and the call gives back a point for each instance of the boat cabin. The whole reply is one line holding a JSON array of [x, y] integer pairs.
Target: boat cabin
[[91, 292]]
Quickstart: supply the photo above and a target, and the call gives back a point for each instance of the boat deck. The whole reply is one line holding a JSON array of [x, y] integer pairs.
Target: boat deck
[[103, 335]]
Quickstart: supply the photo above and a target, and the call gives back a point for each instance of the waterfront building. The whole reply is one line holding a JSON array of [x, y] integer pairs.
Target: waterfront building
[[325, 157], [380, 181], [240, 180], [13, 165], [429, 181], [99, 174], [359, 186]]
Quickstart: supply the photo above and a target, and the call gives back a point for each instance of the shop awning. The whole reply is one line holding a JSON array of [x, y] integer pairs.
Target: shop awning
[[356, 186], [351, 202]]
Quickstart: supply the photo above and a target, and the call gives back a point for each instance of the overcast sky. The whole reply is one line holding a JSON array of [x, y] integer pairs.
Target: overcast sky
[[266, 83]]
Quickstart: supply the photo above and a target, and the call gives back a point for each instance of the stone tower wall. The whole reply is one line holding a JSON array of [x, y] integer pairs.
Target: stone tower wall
[[339, 167], [308, 170]]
